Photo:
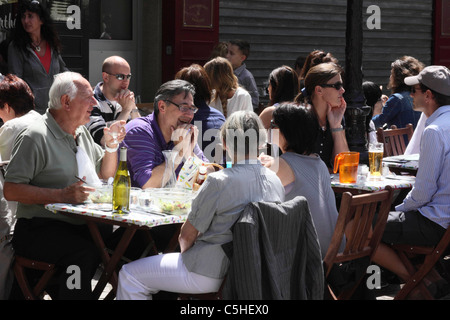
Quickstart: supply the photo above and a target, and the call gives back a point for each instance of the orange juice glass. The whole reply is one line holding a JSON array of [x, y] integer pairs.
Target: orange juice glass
[[347, 162]]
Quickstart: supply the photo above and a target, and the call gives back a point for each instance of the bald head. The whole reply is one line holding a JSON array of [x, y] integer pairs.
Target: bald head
[[113, 61]]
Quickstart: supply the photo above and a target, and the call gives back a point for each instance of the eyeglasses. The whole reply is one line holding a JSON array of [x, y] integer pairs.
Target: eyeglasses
[[337, 85], [273, 125], [184, 107], [120, 76]]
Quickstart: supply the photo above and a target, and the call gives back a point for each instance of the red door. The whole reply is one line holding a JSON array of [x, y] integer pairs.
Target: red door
[[442, 33], [190, 31]]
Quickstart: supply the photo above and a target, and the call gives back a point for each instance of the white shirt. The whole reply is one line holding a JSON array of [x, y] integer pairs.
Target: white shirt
[[414, 145], [241, 100], [431, 192]]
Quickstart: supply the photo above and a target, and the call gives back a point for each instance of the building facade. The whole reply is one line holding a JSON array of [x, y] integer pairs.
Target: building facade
[[158, 37]]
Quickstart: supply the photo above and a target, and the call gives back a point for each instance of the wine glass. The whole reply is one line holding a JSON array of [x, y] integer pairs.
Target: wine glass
[[114, 131]]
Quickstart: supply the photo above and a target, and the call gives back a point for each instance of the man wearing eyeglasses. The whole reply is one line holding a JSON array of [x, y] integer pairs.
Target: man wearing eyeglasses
[[114, 100], [167, 128]]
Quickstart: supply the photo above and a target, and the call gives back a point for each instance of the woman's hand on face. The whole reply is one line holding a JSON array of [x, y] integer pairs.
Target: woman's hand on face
[[336, 113]]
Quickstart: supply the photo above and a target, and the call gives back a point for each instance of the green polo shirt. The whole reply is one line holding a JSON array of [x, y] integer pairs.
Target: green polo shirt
[[45, 156]]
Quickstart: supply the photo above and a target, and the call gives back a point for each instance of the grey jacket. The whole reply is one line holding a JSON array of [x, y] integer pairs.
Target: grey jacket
[[27, 66], [276, 254]]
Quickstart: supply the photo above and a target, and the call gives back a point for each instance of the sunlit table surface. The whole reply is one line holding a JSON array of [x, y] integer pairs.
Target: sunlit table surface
[[403, 161], [372, 185], [137, 216]]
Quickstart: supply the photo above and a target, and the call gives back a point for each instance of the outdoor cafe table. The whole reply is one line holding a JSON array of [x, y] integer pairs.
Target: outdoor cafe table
[[397, 182], [403, 163], [135, 220]]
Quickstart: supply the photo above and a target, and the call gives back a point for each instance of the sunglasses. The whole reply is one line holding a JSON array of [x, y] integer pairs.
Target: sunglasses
[[120, 76], [338, 85], [184, 107]]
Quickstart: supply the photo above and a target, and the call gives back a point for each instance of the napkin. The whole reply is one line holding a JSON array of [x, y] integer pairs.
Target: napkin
[[86, 168]]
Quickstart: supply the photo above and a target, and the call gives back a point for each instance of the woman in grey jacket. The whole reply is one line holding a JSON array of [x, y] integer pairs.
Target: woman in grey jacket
[[34, 52]]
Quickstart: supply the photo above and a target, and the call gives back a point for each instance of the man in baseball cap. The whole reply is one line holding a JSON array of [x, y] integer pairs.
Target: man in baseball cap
[[433, 78], [424, 215]]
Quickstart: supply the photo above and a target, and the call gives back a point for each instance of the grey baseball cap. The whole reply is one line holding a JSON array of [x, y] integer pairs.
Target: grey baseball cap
[[437, 78]]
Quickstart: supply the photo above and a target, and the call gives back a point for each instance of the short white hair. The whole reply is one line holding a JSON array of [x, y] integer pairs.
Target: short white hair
[[243, 133], [63, 83]]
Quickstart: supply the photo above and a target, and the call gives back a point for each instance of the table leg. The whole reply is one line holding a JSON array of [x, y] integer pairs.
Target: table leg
[[110, 262], [173, 243]]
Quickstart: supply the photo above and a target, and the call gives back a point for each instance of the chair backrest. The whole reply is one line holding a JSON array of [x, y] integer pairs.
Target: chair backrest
[[276, 254], [356, 222], [394, 139]]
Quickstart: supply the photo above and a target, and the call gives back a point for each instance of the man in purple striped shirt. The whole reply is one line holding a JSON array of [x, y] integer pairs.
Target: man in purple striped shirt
[[424, 215], [167, 128]]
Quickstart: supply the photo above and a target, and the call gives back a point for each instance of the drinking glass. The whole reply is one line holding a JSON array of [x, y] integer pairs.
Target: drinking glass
[[114, 131], [376, 160]]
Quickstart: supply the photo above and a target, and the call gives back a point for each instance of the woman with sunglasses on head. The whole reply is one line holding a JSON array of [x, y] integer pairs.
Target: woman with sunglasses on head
[[324, 92], [34, 52]]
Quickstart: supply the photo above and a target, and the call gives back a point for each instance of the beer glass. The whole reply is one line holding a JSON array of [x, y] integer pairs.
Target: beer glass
[[375, 159], [347, 162]]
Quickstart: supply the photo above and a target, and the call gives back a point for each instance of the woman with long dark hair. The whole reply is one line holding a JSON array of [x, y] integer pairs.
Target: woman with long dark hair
[[283, 87], [34, 53]]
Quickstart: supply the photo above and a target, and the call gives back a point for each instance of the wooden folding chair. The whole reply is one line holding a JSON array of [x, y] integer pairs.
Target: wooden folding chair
[[363, 234], [394, 139], [420, 261], [20, 265]]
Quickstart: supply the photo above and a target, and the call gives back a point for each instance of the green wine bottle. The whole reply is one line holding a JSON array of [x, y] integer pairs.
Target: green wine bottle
[[121, 186]]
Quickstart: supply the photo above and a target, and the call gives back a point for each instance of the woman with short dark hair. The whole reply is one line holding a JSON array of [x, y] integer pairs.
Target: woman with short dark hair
[[17, 113], [300, 170]]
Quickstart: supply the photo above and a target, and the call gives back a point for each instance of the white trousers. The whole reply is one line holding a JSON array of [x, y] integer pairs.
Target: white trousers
[[139, 279]]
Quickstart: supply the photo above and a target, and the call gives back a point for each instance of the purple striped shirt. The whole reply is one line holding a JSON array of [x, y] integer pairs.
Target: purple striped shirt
[[145, 143]]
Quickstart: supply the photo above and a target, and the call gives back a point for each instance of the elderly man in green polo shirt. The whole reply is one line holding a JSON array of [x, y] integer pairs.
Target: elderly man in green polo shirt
[[43, 169]]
